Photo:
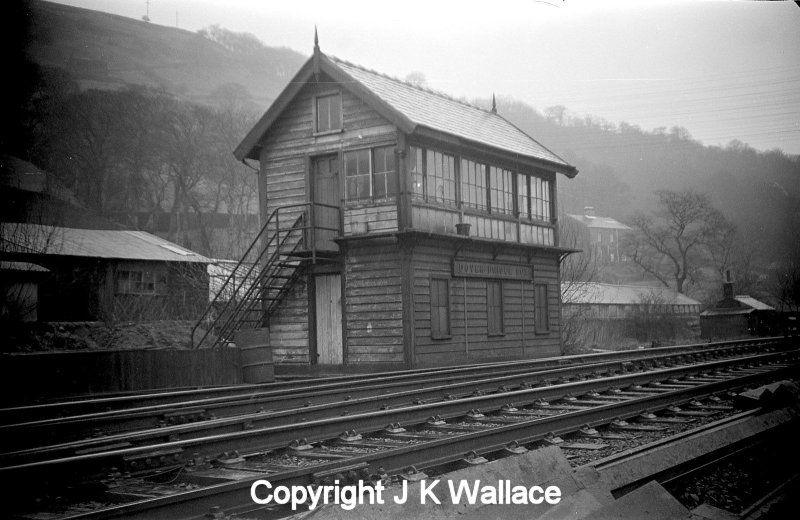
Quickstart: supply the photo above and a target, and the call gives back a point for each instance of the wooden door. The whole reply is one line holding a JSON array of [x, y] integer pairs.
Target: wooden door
[[329, 319], [325, 188]]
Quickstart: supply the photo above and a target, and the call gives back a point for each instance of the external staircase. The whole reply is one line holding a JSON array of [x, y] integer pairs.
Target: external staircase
[[293, 238]]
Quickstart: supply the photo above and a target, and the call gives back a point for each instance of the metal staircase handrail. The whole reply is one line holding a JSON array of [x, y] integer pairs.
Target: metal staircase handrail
[[274, 217], [241, 300], [245, 302]]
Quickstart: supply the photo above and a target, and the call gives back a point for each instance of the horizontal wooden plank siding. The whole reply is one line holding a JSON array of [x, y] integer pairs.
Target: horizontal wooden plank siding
[[373, 304], [444, 220], [370, 218], [519, 338], [291, 140], [288, 326]]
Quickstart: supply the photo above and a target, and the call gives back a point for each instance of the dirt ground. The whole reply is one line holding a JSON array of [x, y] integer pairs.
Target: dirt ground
[[73, 336]]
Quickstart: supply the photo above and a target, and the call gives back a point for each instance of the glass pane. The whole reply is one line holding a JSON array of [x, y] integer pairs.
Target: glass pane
[[391, 183], [323, 115], [335, 109], [380, 185]]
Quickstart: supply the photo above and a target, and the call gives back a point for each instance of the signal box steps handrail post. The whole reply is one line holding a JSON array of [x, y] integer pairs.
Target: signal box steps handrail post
[[271, 266]]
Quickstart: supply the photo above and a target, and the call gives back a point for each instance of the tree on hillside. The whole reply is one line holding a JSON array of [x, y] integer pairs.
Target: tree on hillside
[[236, 42], [576, 270], [673, 242], [786, 283]]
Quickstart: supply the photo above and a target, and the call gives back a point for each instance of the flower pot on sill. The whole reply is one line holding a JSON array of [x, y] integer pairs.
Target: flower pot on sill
[[463, 228]]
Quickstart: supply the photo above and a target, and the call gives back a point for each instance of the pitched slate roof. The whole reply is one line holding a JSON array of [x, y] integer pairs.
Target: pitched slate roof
[[92, 243], [437, 111], [599, 222], [411, 108], [609, 294], [753, 303]]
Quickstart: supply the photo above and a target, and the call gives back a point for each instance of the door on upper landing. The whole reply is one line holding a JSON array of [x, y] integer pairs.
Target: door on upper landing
[[325, 195]]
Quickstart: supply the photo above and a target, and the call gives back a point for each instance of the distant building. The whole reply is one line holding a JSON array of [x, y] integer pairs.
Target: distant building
[[737, 315], [621, 301], [602, 235], [102, 274], [608, 313], [19, 287]]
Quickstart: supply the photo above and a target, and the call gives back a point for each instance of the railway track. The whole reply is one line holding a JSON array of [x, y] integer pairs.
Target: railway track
[[269, 409], [270, 404], [216, 469], [357, 384]]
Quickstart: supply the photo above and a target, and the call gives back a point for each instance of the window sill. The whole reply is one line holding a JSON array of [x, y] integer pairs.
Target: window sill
[[441, 337], [328, 132], [496, 334]]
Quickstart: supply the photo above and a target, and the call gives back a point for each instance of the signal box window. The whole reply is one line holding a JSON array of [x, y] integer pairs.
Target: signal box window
[[329, 113]]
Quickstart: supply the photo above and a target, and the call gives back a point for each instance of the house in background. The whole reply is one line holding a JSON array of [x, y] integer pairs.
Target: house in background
[[19, 287], [107, 274], [738, 315], [402, 227], [606, 314], [602, 234]]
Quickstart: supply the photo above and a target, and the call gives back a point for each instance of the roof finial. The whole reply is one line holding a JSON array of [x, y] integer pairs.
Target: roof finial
[[316, 55], [494, 104]]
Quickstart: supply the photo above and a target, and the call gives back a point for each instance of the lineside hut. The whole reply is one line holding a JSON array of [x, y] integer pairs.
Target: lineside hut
[[431, 224], [107, 274], [736, 316]]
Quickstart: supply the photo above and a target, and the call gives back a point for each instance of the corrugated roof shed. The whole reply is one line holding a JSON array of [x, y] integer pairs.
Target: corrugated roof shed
[[93, 243], [601, 293], [439, 112], [599, 222]]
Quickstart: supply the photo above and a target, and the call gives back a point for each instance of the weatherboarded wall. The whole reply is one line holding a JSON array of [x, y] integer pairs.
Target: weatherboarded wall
[[374, 305], [469, 339]]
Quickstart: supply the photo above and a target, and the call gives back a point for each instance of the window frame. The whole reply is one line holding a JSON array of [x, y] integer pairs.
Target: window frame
[[495, 328], [435, 332], [521, 203], [337, 94], [389, 175], [157, 279], [481, 184]]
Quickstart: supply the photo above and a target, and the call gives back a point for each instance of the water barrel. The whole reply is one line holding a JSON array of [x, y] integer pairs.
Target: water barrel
[[256, 356]]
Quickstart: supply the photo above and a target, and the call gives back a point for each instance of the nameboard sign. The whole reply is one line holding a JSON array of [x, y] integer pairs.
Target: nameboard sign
[[472, 269]]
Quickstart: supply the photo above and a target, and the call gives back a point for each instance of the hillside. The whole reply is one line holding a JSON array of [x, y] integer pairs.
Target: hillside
[[101, 50], [620, 165]]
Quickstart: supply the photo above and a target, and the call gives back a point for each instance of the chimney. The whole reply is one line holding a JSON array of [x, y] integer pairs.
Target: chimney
[[588, 211], [727, 286]]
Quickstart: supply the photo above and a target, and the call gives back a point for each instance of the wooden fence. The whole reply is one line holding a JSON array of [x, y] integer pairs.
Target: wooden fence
[[28, 377]]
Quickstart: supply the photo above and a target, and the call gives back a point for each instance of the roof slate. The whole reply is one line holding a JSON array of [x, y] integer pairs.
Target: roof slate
[[599, 222], [439, 112], [93, 243], [753, 303], [601, 293]]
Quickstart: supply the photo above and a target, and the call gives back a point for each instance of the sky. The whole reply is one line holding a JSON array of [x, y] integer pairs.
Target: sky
[[724, 70]]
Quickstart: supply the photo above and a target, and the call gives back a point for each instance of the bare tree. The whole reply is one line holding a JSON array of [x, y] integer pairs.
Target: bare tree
[[576, 270], [786, 285], [673, 242]]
